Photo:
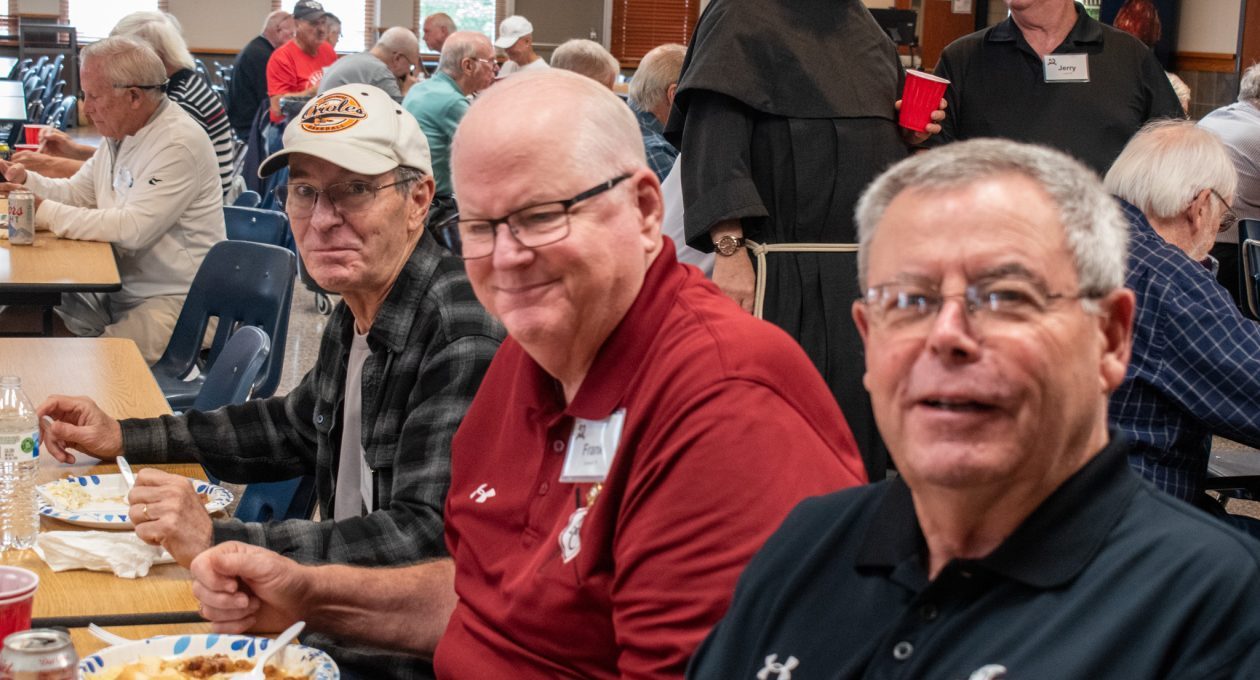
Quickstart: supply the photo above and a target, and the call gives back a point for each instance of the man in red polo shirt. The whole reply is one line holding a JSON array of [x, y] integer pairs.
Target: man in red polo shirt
[[295, 68], [635, 440]]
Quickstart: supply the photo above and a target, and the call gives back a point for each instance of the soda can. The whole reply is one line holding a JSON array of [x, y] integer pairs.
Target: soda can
[[21, 217], [39, 654]]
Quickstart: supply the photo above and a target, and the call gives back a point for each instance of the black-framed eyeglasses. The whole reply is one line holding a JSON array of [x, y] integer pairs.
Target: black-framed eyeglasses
[[344, 197], [1229, 218], [533, 226], [159, 86], [910, 306]]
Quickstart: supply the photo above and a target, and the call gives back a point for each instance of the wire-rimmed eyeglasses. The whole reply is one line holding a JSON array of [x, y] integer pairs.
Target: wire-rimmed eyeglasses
[[344, 197]]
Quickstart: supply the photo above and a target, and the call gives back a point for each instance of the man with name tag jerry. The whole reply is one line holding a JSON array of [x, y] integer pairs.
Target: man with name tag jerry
[[635, 440], [1050, 74]]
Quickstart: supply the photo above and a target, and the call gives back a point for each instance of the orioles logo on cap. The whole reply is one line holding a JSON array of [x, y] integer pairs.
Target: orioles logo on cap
[[333, 112]]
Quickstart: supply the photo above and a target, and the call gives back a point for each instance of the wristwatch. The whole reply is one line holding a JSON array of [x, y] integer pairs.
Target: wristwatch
[[727, 245]]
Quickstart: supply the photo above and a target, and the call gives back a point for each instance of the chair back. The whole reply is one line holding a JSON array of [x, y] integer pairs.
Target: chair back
[[241, 284], [256, 224], [247, 199], [278, 501], [232, 376], [1249, 253]]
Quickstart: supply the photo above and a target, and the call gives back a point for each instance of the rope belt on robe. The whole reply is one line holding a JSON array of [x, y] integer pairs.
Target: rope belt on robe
[[759, 251]]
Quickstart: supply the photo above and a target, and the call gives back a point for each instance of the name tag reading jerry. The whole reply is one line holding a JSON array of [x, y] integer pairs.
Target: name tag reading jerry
[[592, 447], [1066, 68]]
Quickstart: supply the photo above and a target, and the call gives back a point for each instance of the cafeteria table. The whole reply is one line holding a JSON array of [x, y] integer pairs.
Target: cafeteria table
[[37, 275], [111, 371]]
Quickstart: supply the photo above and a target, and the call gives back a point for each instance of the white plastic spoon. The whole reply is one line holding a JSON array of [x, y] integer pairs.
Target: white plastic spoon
[[106, 636], [278, 644]]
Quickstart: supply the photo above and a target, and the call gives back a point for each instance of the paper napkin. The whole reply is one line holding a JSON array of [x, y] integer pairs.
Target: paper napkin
[[120, 552]]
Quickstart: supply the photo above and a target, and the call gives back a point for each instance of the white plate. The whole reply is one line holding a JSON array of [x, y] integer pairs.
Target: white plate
[[111, 513], [294, 658]]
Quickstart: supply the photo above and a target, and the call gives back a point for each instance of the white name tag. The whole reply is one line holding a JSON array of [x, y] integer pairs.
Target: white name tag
[[592, 447], [1066, 68]]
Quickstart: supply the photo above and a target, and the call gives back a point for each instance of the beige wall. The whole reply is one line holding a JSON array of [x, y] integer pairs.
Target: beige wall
[[1208, 26], [220, 24]]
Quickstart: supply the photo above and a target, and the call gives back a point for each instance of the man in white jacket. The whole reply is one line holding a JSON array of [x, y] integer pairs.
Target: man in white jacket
[[152, 190]]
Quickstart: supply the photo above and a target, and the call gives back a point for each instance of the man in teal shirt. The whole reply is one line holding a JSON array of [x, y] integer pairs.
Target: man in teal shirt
[[465, 68]]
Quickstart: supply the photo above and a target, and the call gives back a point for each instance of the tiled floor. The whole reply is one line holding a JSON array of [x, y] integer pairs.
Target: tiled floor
[[301, 349]]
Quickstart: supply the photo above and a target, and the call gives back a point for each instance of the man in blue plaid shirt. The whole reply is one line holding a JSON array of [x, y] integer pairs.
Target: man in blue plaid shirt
[[651, 95], [1195, 369]]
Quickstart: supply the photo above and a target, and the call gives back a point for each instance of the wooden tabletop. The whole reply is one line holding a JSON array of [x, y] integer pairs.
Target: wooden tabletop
[[110, 371], [85, 643], [57, 264]]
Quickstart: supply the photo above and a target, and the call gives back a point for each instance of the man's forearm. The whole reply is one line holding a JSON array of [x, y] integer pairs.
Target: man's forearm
[[403, 608]]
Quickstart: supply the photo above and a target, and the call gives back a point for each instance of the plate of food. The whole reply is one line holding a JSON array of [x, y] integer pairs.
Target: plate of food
[[100, 501], [203, 657]]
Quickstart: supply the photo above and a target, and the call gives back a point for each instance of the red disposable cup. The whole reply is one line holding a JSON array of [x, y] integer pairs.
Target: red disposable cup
[[26, 147], [920, 97], [32, 133], [17, 596]]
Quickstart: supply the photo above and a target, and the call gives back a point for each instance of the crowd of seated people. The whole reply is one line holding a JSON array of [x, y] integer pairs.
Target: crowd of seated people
[[942, 407]]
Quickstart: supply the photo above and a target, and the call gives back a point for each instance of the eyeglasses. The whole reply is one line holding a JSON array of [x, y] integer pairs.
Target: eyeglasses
[[1229, 218], [494, 65], [159, 86], [344, 197], [533, 226], [991, 304]]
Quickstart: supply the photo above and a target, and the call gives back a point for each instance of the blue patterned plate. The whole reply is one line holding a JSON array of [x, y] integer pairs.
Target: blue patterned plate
[[295, 659], [106, 506]]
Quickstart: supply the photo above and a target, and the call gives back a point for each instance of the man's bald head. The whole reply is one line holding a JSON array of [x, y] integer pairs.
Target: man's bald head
[[574, 116]]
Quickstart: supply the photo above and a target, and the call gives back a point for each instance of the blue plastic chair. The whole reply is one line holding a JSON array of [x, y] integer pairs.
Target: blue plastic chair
[[232, 376], [247, 199], [241, 284], [256, 225], [277, 501]]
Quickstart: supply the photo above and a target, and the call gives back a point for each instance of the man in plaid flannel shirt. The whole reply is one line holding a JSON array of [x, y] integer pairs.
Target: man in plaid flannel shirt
[[409, 326]]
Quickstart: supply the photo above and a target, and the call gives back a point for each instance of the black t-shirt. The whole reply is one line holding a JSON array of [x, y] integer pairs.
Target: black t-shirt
[[999, 90], [1108, 578], [249, 83]]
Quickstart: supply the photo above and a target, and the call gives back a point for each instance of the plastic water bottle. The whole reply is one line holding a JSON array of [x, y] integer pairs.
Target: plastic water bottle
[[19, 463]]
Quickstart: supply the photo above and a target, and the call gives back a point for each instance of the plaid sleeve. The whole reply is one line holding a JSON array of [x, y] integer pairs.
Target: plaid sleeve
[[409, 526]]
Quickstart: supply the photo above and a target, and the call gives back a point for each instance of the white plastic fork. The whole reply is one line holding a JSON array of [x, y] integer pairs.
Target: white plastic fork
[[106, 636], [276, 645]]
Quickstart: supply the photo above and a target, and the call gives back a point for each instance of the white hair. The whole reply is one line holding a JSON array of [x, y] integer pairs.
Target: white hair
[[1249, 86], [1167, 164], [657, 70], [160, 31], [603, 139], [441, 20], [126, 61], [275, 19], [459, 46], [1096, 230], [588, 58], [399, 39]]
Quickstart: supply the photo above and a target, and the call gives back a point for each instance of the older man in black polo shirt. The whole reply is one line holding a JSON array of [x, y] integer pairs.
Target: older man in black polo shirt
[[1050, 74], [1017, 542]]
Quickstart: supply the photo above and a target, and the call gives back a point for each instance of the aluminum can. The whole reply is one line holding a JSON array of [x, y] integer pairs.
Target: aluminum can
[[39, 654], [21, 217]]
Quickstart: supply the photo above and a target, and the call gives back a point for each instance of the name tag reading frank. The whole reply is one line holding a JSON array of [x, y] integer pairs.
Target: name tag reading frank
[[592, 447], [1066, 68]]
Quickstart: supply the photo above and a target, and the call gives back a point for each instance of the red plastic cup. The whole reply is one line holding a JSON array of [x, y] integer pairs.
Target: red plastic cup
[[32, 133], [17, 596], [26, 147], [920, 97]]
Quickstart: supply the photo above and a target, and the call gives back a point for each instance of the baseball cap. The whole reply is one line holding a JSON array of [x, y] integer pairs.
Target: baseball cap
[[308, 10], [357, 127], [512, 29]]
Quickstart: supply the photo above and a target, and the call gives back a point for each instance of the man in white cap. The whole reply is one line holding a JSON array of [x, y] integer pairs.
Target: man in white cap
[[516, 38], [401, 358]]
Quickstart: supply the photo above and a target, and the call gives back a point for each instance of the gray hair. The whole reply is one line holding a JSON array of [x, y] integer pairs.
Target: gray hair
[[603, 139], [441, 20], [588, 58], [459, 46], [404, 175], [649, 88], [126, 61], [331, 19], [160, 31], [1166, 164], [399, 39], [1096, 230], [1249, 86], [275, 19]]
